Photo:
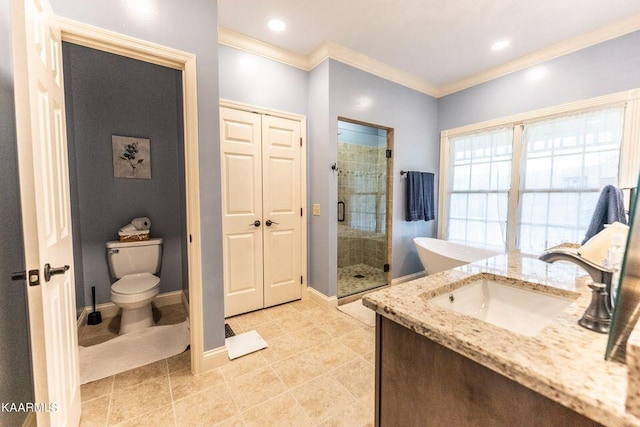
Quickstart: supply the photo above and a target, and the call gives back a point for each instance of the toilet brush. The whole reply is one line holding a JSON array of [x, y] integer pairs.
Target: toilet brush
[[95, 317]]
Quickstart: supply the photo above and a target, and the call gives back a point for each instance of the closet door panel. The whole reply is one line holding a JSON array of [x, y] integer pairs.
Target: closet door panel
[[241, 164], [281, 208]]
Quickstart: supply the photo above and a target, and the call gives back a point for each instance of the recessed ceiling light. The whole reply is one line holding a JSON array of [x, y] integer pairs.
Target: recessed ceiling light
[[499, 45], [276, 25]]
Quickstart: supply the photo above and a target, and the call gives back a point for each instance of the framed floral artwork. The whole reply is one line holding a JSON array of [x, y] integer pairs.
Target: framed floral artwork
[[131, 157]]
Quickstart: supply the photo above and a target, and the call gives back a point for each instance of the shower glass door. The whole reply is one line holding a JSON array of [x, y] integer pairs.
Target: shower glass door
[[363, 209]]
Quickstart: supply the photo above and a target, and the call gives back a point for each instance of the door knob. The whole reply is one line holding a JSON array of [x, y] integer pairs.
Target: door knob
[[48, 271], [269, 222], [256, 223]]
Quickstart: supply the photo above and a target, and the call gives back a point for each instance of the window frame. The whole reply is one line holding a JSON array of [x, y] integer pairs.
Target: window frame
[[627, 171]]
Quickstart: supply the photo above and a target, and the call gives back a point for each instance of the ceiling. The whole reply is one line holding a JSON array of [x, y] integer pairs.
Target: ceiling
[[438, 41]]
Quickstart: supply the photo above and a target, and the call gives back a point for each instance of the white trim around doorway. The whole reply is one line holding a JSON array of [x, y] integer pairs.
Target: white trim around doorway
[[119, 44]]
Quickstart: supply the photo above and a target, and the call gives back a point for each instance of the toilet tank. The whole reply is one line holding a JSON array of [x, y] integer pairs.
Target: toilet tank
[[134, 257]]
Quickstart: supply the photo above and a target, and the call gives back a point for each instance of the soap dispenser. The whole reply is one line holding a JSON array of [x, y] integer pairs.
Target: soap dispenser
[[615, 255]]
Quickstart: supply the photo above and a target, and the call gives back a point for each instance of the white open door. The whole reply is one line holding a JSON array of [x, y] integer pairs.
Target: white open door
[[46, 216]]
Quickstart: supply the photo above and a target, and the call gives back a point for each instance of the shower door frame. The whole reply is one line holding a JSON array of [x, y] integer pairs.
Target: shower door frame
[[389, 210]]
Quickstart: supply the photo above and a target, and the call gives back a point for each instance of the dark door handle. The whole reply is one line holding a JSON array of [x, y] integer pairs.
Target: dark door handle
[[48, 271], [19, 275], [255, 223], [33, 277], [269, 222], [341, 212]]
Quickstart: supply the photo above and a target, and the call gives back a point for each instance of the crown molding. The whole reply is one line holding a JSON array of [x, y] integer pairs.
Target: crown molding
[[329, 49], [319, 54], [240, 41], [573, 44], [379, 68], [326, 49]]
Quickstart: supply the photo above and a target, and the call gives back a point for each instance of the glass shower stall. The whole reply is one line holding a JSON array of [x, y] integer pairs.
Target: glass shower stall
[[364, 165]]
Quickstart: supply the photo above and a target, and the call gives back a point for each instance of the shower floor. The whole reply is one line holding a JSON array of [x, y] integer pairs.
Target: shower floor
[[349, 284]]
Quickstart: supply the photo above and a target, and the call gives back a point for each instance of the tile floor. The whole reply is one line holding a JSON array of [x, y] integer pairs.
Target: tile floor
[[349, 285], [108, 329], [317, 371]]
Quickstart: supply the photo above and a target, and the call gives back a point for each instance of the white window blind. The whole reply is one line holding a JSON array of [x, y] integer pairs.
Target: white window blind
[[479, 177], [566, 161]]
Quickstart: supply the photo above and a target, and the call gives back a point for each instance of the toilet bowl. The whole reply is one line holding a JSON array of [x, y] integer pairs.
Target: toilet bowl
[[134, 264], [134, 293]]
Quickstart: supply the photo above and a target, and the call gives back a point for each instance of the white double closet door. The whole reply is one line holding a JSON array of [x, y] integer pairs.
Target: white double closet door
[[262, 210]]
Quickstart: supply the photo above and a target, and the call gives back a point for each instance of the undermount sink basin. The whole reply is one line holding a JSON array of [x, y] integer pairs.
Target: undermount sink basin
[[519, 310]]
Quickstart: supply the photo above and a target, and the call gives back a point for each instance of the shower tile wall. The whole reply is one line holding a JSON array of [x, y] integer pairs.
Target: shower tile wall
[[362, 183]]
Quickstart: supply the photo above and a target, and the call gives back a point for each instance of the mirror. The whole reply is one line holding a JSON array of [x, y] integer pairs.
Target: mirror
[[627, 308]]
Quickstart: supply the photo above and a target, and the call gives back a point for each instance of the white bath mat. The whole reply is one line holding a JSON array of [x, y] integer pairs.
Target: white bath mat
[[245, 343], [132, 350], [358, 311]]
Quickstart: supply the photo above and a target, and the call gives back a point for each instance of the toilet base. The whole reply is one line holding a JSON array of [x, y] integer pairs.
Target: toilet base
[[134, 319]]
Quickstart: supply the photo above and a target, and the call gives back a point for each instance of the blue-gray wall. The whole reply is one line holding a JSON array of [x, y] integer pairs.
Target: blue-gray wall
[[330, 90], [15, 368], [320, 273], [191, 28], [605, 68], [358, 95], [109, 95], [258, 81]]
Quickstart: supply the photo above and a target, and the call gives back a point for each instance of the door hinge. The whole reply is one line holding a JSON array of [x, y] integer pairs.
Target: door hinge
[[300, 211], [388, 154], [386, 268], [301, 280], [300, 141], [190, 238]]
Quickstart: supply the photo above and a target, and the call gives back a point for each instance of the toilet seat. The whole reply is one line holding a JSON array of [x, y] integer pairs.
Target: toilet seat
[[133, 284], [135, 289]]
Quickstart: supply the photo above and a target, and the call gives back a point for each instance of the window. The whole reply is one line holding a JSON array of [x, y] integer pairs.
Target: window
[[566, 161], [531, 181], [480, 171]]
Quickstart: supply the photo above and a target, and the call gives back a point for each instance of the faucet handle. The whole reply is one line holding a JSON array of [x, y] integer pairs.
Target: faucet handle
[[597, 317]]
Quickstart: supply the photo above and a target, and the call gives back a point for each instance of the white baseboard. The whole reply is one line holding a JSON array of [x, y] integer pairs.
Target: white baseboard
[[322, 299], [407, 278], [185, 302], [109, 309], [213, 359], [82, 319]]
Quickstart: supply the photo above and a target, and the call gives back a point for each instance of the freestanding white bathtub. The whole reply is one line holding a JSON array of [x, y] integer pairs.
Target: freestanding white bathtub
[[439, 255]]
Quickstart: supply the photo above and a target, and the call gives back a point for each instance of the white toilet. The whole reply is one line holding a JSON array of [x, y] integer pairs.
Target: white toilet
[[135, 264]]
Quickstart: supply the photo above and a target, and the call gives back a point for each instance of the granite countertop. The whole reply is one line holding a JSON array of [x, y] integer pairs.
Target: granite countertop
[[564, 362]]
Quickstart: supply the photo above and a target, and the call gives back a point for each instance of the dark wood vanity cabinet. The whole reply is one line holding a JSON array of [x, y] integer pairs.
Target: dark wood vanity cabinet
[[422, 383]]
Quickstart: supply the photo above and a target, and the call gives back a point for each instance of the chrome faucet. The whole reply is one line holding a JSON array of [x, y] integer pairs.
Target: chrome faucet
[[598, 273], [597, 316]]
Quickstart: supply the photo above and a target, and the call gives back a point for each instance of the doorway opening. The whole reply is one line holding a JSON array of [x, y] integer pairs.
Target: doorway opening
[[185, 64], [365, 163], [109, 97]]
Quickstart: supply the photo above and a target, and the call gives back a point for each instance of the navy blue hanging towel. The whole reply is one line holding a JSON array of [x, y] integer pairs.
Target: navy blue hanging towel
[[609, 209], [420, 204]]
